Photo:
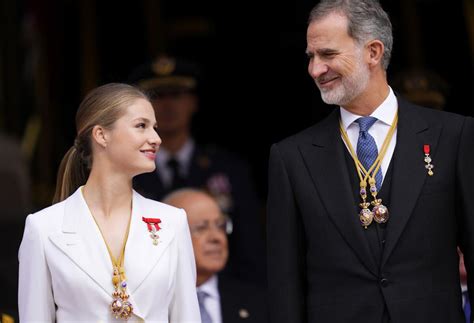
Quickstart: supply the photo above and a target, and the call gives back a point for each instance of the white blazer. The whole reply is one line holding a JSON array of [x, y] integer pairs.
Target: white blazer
[[66, 272]]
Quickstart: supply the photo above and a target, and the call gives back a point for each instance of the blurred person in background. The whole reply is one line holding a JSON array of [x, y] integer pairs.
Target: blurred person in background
[[173, 85], [15, 198], [222, 299]]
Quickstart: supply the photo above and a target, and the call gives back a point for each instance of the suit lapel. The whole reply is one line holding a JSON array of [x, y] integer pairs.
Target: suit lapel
[[141, 255], [231, 300], [326, 164], [227, 303], [409, 171], [82, 242]]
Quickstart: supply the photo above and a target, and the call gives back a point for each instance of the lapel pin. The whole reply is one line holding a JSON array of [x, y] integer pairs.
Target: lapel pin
[[429, 166], [153, 225], [243, 313]]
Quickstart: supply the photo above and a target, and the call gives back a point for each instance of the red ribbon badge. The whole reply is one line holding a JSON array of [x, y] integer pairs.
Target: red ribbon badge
[[429, 166], [152, 221], [153, 228], [426, 149]]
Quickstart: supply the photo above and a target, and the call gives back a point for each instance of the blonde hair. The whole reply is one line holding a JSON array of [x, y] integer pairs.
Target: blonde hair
[[102, 106]]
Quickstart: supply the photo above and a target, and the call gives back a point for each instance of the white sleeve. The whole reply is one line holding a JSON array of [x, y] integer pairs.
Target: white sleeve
[[184, 307], [35, 295]]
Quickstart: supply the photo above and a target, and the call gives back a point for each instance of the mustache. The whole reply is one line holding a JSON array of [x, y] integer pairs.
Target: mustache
[[326, 77]]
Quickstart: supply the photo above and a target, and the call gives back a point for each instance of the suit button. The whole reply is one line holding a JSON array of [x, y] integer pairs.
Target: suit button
[[384, 282]]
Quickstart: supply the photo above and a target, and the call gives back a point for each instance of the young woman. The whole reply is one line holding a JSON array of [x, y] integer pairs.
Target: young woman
[[103, 252]]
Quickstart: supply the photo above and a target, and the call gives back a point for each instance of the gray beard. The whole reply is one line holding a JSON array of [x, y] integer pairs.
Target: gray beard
[[351, 86]]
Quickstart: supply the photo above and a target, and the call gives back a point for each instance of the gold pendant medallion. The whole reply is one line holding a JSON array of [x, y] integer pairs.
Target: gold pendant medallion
[[381, 214], [120, 306], [366, 217]]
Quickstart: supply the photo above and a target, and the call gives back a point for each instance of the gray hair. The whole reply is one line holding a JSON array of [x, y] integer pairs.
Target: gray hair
[[366, 21]]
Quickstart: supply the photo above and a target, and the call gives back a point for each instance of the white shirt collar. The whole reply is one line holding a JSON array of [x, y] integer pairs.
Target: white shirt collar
[[210, 287], [385, 112]]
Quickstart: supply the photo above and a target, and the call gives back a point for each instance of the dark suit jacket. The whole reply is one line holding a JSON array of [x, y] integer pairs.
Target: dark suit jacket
[[246, 243], [320, 265], [242, 302]]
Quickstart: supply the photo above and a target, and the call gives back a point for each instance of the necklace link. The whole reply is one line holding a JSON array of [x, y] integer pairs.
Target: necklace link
[[379, 212]]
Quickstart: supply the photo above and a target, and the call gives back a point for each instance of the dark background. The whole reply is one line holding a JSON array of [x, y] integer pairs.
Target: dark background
[[255, 91]]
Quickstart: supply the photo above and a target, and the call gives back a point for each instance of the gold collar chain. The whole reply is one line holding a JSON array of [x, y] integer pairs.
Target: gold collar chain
[[379, 213], [120, 306]]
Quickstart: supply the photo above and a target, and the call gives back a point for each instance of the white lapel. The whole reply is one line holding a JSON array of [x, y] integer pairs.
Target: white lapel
[[141, 255], [82, 242]]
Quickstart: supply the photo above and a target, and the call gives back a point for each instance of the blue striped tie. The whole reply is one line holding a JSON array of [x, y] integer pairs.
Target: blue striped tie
[[205, 317], [467, 306], [367, 148]]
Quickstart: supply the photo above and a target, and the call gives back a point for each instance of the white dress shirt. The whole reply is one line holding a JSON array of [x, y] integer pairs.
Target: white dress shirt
[[212, 302], [463, 289], [183, 156], [385, 114]]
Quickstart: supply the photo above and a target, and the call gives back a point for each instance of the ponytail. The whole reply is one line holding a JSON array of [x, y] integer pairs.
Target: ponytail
[[102, 106], [72, 173]]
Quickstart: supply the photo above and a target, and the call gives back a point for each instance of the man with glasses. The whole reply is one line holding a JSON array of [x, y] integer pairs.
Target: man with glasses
[[221, 299]]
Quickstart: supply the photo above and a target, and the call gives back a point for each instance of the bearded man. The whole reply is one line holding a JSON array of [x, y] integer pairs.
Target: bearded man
[[367, 207]]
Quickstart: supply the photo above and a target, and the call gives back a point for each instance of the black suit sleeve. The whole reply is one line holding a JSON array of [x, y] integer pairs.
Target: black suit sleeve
[[286, 254], [465, 185]]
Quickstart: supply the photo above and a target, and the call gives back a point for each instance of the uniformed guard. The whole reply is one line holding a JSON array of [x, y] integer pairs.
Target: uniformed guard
[[173, 85]]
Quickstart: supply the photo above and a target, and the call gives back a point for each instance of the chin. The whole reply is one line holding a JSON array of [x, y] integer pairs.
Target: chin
[[215, 264], [150, 166], [143, 170], [332, 96], [148, 170]]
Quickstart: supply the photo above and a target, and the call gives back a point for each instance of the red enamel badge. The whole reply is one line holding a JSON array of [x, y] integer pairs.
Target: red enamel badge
[[429, 166], [153, 225]]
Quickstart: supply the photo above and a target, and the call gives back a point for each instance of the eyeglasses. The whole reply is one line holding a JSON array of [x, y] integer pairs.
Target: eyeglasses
[[223, 225]]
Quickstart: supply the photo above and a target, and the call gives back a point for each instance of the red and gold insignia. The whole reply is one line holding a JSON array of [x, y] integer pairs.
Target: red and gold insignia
[[153, 225], [429, 166]]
